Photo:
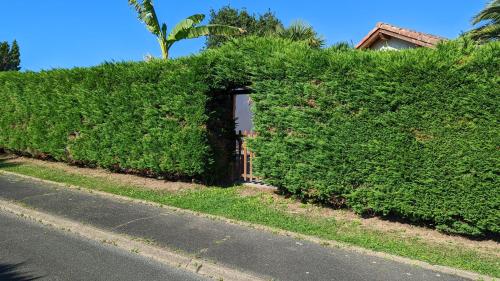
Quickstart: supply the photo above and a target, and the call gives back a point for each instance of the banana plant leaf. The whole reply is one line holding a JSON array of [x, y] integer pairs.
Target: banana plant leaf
[[182, 28]]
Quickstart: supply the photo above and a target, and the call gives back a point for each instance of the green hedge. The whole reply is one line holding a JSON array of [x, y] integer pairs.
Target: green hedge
[[148, 118], [413, 134]]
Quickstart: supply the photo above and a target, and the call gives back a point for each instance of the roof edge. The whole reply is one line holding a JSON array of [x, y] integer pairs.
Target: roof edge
[[414, 37]]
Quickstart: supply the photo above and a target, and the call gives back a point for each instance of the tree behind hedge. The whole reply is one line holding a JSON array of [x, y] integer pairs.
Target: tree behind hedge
[[10, 57], [258, 25], [14, 57], [4, 56], [265, 25], [301, 31]]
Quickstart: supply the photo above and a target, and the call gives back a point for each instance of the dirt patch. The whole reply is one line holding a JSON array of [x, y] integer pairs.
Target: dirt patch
[[149, 183], [431, 235], [253, 191], [294, 206]]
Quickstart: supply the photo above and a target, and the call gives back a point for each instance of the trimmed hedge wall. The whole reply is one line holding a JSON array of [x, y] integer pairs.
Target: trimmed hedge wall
[[149, 118], [413, 134]]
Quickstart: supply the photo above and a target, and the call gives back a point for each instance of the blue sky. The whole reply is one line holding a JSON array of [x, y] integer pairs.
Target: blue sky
[[67, 33]]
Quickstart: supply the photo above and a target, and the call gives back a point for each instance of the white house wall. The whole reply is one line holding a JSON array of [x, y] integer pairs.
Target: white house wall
[[392, 44]]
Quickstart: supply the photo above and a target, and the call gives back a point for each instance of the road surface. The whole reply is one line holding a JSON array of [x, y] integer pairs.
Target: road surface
[[31, 251]]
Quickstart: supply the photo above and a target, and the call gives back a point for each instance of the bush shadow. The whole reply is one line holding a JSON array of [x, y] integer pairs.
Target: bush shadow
[[4, 163], [11, 272]]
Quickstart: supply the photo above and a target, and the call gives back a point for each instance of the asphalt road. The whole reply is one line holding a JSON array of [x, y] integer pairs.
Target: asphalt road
[[31, 251]]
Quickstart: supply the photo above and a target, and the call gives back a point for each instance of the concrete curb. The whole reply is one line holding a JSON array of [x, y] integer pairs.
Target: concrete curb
[[138, 246], [323, 242]]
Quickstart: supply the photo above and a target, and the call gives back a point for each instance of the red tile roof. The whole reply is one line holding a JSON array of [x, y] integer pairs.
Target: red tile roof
[[384, 30]]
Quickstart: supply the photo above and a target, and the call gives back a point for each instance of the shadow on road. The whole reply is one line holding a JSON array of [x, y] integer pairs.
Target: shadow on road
[[10, 272]]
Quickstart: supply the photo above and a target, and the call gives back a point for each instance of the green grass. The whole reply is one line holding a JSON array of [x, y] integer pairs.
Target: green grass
[[254, 209]]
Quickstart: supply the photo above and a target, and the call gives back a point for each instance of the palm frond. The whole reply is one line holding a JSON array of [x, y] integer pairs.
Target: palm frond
[[301, 31], [212, 29], [186, 29], [486, 33], [136, 5], [164, 30], [488, 23], [182, 28], [491, 12], [197, 18], [224, 30], [146, 13]]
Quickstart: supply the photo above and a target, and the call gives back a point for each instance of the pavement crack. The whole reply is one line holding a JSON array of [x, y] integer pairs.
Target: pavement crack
[[135, 220], [226, 238], [5, 241], [38, 195]]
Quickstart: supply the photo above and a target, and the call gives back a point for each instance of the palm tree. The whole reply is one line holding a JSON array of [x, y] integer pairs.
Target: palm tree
[[188, 28], [490, 17], [300, 31]]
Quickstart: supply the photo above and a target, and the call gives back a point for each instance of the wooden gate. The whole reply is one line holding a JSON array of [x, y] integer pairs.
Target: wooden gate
[[244, 157]]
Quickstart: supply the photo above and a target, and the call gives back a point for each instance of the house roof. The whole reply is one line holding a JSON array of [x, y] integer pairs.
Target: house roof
[[383, 31]]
